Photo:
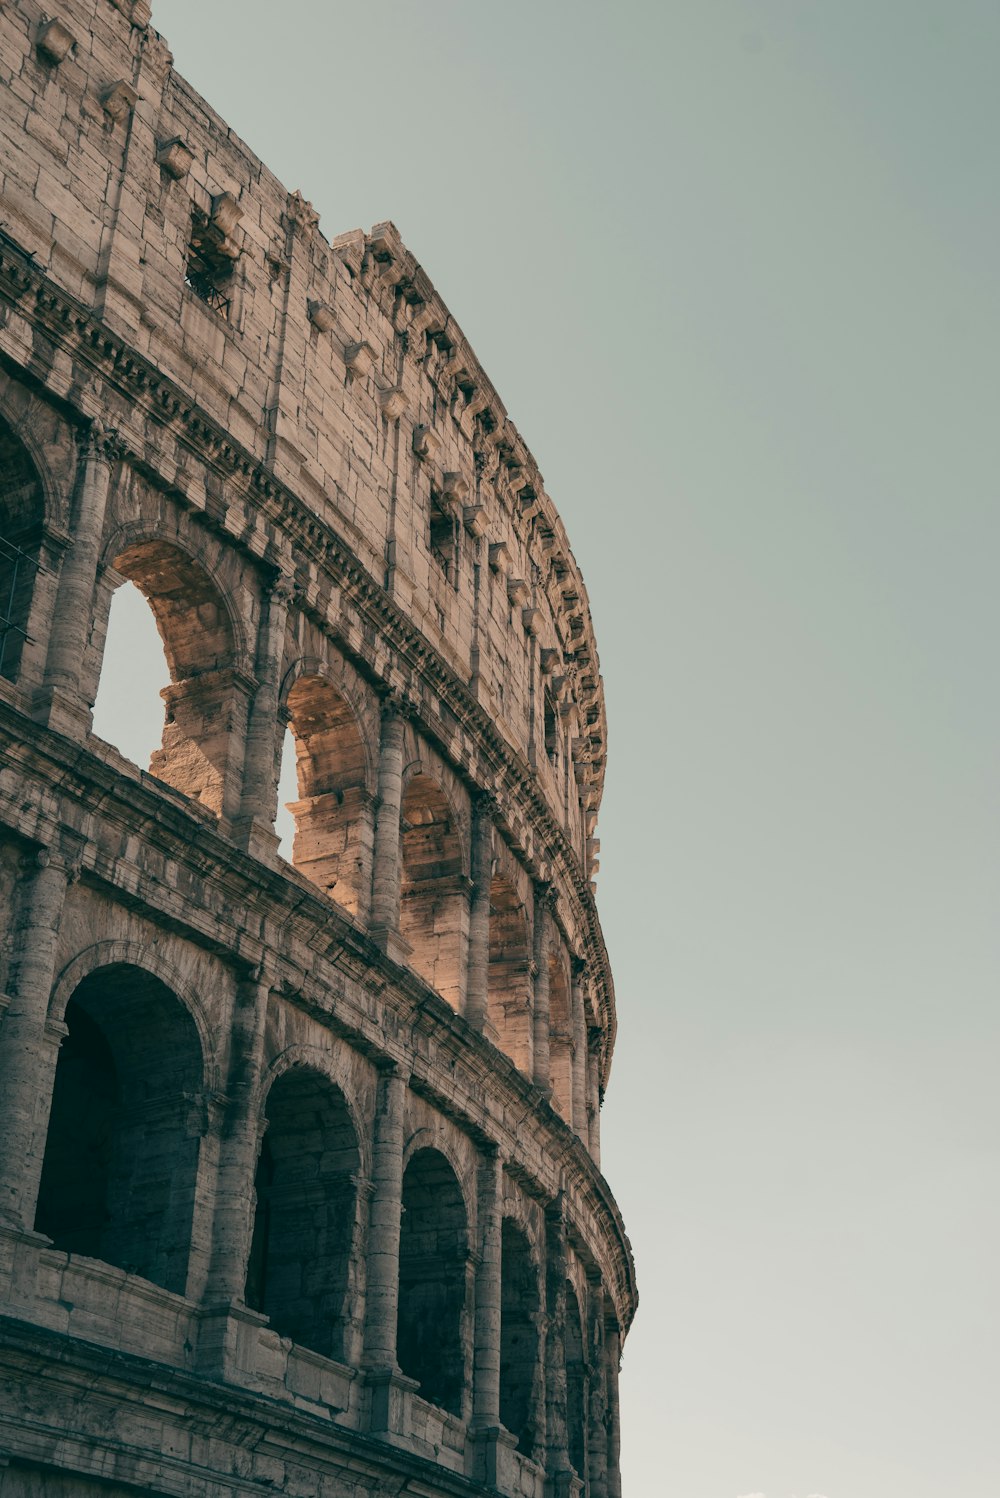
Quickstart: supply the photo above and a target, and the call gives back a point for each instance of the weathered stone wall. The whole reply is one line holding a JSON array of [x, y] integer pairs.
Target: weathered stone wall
[[318, 1143]]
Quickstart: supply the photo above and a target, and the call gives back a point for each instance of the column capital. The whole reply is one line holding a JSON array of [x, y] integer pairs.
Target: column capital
[[396, 705], [100, 443]]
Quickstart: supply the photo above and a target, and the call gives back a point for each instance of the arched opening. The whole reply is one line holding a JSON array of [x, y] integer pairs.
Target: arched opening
[[201, 719], [509, 979], [576, 1391], [121, 1155], [434, 905], [432, 1260], [332, 846], [128, 710], [300, 1271], [560, 1039], [519, 1307], [21, 516]]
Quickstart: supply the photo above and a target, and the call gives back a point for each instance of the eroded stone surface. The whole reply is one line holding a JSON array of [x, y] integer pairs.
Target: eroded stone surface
[[311, 1152]]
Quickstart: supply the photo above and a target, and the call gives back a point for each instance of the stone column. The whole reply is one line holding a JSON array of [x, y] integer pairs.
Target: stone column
[[254, 828], [597, 1430], [581, 1123], [60, 704], [486, 1357], [477, 983], [388, 853], [28, 1046], [543, 903], [382, 1286], [557, 1463], [613, 1354], [594, 1095], [233, 1218]]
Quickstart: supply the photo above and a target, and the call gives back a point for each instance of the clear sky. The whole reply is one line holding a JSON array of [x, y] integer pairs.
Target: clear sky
[[733, 268]]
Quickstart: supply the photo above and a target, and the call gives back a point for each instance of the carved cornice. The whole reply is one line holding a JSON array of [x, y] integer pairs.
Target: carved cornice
[[150, 392]]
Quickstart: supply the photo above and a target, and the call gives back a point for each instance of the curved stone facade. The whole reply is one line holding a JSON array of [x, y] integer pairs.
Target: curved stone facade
[[299, 1163]]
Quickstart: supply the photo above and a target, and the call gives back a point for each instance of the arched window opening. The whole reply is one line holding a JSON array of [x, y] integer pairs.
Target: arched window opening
[[434, 908], [334, 828], [432, 1261], [519, 1307], [196, 634], [128, 710], [576, 1391], [121, 1157], [560, 1039], [509, 976], [300, 1271], [21, 516]]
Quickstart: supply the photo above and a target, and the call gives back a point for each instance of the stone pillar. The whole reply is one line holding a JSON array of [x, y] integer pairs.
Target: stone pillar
[[557, 1463], [60, 704], [597, 1430], [613, 1354], [486, 1357], [382, 1292], [388, 854], [580, 1121], [233, 1218], [543, 903], [477, 983], [594, 1095], [254, 828], [28, 1045]]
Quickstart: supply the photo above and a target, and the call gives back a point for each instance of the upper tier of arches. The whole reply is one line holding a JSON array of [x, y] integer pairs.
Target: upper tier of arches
[[388, 824]]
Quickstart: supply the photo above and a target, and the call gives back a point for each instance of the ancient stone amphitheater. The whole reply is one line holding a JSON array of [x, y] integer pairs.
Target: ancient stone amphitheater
[[299, 1181]]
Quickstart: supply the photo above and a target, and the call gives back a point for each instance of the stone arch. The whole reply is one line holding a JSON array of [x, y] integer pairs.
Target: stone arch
[[302, 1266], [120, 1169], [520, 1308], [560, 1036], [206, 699], [22, 521], [576, 1387], [433, 1257], [434, 892], [110, 953], [509, 973], [334, 813]]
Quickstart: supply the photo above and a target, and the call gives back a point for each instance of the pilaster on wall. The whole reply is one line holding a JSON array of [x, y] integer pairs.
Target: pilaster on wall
[[283, 416], [119, 297]]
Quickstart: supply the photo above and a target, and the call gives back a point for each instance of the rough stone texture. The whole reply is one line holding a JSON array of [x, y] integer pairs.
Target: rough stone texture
[[299, 1183]]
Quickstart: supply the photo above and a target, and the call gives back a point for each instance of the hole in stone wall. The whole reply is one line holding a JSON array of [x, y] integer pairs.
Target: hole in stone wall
[[121, 1159], [432, 1254], [299, 1273], [330, 807], [193, 624], [519, 1306], [209, 270], [128, 710], [576, 1420], [434, 905]]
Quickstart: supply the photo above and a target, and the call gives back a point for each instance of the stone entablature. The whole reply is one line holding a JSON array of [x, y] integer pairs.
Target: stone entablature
[[324, 1136]]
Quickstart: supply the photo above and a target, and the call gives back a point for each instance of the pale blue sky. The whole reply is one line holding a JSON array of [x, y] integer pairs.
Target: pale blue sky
[[732, 267]]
